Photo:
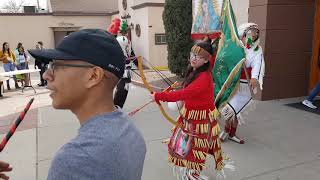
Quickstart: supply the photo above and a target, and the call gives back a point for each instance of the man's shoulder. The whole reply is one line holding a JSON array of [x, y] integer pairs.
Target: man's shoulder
[[69, 149], [114, 128], [107, 128], [115, 118]]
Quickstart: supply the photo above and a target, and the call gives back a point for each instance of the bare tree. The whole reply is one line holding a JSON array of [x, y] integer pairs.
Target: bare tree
[[14, 6]]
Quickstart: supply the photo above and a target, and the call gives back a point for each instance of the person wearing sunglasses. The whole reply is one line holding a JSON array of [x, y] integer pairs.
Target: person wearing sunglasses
[[196, 134], [85, 68]]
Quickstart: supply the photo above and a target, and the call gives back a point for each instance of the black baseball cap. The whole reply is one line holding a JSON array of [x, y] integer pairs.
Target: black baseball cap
[[95, 46]]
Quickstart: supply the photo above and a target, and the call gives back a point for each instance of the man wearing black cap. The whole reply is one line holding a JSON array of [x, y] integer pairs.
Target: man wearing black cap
[[85, 69]]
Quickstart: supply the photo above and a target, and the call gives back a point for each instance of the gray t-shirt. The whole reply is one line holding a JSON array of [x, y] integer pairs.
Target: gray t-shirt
[[107, 147]]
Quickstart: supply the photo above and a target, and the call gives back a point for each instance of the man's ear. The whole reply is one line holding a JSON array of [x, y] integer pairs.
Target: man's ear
[[95, 76]]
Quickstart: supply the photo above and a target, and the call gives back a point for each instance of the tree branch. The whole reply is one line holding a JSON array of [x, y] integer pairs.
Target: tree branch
[[14, 7]]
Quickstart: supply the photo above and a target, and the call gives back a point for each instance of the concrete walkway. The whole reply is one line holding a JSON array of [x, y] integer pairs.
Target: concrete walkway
[[282, 143]]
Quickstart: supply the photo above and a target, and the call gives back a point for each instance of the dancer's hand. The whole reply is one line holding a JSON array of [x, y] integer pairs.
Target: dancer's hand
[[253, 83], [152, 96]]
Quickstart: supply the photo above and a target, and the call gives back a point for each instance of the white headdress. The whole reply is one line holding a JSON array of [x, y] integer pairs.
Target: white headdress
[[125, 45], [245, 31]]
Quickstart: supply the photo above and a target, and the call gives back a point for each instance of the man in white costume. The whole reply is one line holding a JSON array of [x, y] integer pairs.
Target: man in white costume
[[122, 88], [242, 99]]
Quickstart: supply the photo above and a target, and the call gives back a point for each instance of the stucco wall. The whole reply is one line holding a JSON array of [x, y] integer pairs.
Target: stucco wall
[[141, 44], [84, 5], [30, 29], [241, 10], [49, 7], [158, 53], [137, 2], [150, 21]]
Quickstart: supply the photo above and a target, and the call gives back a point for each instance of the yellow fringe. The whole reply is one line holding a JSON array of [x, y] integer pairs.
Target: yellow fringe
[[200, 114], [186, 163], [183, 111], [218, 154], [196, 115], [207, 143], [205, 114], [202, 143], [220, 166], [216, 130], [214, 143], [189, 114]]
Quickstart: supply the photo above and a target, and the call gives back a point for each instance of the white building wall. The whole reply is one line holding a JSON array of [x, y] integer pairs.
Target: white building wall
[[49, 7], [136, 2], [84, 5], [241, 10], [30, 29], [141, 44], [158, 53]]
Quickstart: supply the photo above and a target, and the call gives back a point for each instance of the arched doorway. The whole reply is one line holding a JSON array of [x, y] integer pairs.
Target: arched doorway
[[314, 71]]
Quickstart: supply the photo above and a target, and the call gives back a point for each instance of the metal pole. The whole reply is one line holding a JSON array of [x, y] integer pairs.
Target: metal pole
[[38, 5]]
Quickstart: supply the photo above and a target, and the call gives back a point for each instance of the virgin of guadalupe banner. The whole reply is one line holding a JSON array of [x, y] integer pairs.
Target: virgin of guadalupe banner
[[206, 18], [229, 60]]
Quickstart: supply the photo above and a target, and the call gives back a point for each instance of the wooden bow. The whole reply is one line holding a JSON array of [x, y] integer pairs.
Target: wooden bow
[[150, 89]]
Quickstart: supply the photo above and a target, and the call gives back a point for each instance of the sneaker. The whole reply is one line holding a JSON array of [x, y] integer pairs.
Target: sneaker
[[309, 104]]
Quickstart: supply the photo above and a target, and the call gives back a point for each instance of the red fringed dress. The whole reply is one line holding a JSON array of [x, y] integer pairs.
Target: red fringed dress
[[197, 133]]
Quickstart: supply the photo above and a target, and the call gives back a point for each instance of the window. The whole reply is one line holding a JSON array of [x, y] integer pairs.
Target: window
[[160, 39]]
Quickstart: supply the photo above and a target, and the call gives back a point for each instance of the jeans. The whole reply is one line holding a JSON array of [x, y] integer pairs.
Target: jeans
[[8, 67], [22, 66], [315, 91]]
